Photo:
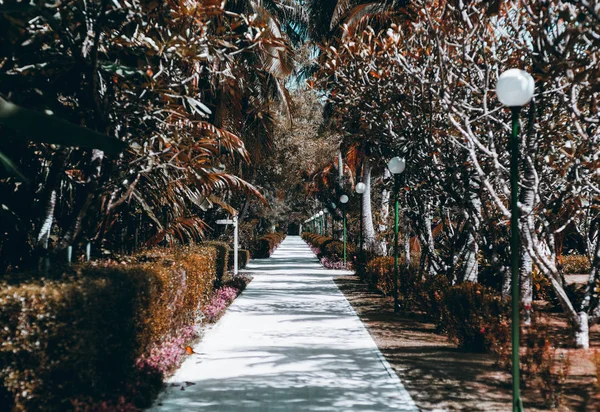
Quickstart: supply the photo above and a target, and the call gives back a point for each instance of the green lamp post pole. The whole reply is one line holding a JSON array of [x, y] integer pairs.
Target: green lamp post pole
[[396, 166], [515, 89], [320, 214], [344, 200]]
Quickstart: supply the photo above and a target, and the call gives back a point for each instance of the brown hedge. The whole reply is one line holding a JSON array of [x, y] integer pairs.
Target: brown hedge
[[243, 258], [222, 258], [267, 244], [78, 336]]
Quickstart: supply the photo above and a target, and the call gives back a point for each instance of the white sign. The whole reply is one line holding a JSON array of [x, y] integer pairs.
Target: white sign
[[225, 222]]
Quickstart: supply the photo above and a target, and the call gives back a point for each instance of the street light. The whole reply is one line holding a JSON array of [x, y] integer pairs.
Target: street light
[[333, 206], [344, 200], [360, 189], [396, 166], [515, 89], [320, 215]]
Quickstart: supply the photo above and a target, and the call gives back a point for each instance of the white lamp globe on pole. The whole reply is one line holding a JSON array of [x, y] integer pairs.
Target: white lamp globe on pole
[[515, 88], [396, 165], [360, 189], [344, 199]]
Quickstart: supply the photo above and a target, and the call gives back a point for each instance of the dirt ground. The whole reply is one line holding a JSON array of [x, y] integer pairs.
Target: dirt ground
[[441, 377]]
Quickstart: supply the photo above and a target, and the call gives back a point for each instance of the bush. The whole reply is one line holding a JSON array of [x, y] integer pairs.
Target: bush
[[90, 333], [314, 239], [232, 287], [267, 244], [431, 297], [471, 315], [575, 264], [334, 250], [222, 259], [379, 273], [243, 258], [542, 366]]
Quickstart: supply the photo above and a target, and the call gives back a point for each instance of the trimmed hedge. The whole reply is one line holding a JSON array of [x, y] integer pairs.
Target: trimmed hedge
[[222, 259], [91, 334], [243, 258], [266, 245]]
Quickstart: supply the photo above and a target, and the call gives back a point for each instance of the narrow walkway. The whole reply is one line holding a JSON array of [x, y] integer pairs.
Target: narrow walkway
[[290, 342]]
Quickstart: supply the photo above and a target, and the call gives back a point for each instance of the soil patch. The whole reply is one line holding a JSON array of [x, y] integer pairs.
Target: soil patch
[[440, 377]]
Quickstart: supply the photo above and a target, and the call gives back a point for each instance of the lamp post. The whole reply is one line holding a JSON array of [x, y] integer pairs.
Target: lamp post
[[344, 200], [396, 166], [320, 215], [333, 206], [360, 189], [515, 89]]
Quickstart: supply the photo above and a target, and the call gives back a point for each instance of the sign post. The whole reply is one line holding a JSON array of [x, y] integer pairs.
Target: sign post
[[235, 245], [233, 222]]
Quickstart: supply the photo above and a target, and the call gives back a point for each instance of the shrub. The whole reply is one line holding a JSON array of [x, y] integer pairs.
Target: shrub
[[471, 311], [223, 297], [430, 296], [334, 250], [91, 333], [315, 239], [243, 258], [380, 273], [267, 244], [542, 366], [575, 264], [222, 258]]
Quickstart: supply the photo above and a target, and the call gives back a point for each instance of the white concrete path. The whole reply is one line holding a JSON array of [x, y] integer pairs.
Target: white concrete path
[[290, 342]]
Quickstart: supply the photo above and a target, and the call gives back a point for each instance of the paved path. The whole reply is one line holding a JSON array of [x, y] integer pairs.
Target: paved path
[[290, 342]]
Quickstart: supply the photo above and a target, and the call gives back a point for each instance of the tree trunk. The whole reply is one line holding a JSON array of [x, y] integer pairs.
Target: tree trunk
[[44, 234], [384, 213], [368, 230], [582, 331], [471, 266], [527, 218]]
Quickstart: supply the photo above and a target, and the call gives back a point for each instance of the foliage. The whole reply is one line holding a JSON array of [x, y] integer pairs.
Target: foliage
[[431, 297], [422, 87], [100, 330], [177, 82], [243, 258], [266, 245], [222, 262], [542, 365], [379, 272], [223, 297], [470, 311], [575, 264]]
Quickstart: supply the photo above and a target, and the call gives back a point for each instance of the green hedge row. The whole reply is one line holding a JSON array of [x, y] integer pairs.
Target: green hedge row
[[97, 332]]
